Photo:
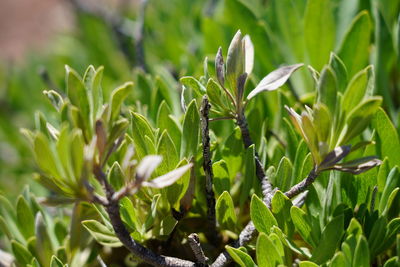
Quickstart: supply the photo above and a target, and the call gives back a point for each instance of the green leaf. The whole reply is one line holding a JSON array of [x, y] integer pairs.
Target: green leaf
[[355, 91], [361, 256], [118, 96], [339, 260], [307, 264], [21, 254], [323, 122], [78, 96], [128, 214], [25, 218], [101, 233], [232, 152], [43, 244], [340, 70], [330, 239], [388, 143], [77, 147], [167, 150], [355, 45], [167, 225], [190, 134], [214, 93], [116, 176], [319, 31], [191, 82], [267, 252], [240, 257], [249, 174], [283, 174], [140, 129], [360, 118], [303, 225], [151, 216], [177, 191], [97, 92], [225, 212], [234, 61], [166, 122], [390, 185], [261, 216], [44, 155], [327, 89], [55, 262], [221, 177], [281, 206], [274, 80]]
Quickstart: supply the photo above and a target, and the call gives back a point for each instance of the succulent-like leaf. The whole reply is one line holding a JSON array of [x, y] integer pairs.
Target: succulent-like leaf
[[220, 67], [169, 178], [147, 166], [249, 54], [334, 157], [359, 165], [274, 80]]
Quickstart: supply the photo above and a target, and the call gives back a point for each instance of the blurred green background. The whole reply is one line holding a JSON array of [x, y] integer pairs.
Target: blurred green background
[[170, 39]]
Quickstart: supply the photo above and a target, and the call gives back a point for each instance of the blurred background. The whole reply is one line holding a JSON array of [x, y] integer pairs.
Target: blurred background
[[156, 42]]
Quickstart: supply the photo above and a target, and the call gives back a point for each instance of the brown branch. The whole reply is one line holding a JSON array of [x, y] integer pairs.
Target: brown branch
[[194, 243], [302, 186], [207, 166], [124, 236], [135, 248]]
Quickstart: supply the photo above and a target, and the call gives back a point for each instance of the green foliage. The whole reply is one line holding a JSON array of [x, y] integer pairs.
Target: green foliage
[[145, 138]]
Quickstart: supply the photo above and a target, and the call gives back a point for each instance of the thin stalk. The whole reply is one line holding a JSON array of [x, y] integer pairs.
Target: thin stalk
[[249, 232], [143, 253], [207, 166]]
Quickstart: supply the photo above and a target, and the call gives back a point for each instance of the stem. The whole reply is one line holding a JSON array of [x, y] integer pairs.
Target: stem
[[207, 166], [194, 243], [249, 232], [302, 186], [135, 248], [247, 141], [124, 236]]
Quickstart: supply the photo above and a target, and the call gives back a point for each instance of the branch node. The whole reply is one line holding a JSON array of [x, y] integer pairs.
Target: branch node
[[198, 252]]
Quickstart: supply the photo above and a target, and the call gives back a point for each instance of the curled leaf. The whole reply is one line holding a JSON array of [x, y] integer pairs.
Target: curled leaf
[[147, 166], [249, 54], [274, 80], [101, 137], [220, 67], [235, 60], [359, 165], [168, 178], [334, 157]]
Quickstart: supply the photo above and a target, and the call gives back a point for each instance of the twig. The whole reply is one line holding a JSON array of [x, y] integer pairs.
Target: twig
[[249, 232], [123, 234], [207, 165], [135, 248], [194, 243], [302, 186], [247, 141]]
